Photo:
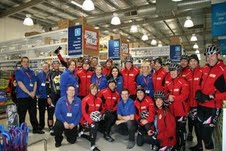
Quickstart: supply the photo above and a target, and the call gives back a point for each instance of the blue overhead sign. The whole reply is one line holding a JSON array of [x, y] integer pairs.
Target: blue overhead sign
[[75, 40], [175, 52], [223, 46], [114, 49], [219, 19]]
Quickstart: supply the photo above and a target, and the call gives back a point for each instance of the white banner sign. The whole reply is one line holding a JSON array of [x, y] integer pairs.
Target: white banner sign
[[151, 51], [91, 37]]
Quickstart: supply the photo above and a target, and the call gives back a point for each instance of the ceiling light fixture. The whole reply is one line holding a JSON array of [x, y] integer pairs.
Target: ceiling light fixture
[[196, 46], [88, 5], [134, 29], [28, 21], [176, 0], [188, 23], [197, 51], [144, 37], [193, 38], [115, 19], [154, 42], [160, 44]]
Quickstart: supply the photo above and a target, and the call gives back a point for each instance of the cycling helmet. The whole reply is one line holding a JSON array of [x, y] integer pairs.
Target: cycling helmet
[[129, 59], [194, 56], [186, 57], [159, 94], [167, 62], [140, 88], [211, 50], [174, 66], [95, 116], [144, 114]]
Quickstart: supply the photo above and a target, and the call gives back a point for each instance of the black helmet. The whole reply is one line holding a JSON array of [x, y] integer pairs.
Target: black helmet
[[159, 94], [167, 62], [129, 59], [140, 88], [211, 50], [194, 56], [111, 81], [174, 66], [186, 57]]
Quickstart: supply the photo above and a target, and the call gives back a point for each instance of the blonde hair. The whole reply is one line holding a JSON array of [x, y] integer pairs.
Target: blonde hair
[[146, 64]]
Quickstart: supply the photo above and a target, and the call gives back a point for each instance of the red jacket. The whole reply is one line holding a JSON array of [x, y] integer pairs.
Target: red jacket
[[158, 79], [211, 76], [90, 104], [167, 78], [194, 78], [146, 104], [185, 73], [166, 126], [11, 88], [129, 79], [84, 81], [109, 99], [180, 89], [106, 71]]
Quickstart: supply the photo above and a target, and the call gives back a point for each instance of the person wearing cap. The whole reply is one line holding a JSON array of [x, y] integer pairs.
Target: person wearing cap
[[25, 93], [166, 68], [116, 75], [159, 75], [145, 114], [99, 78], [144, 79], [94, 63], [11, 88], [165, 124], [68, 78], [41, 93], [91, 104], [110, 98], [68, 115], [125, 123], [53, 92], [210, 97], [79, 63], [193, 80], [185, 71], [129, 74], [107, 67], [177, 92], [84, 78]]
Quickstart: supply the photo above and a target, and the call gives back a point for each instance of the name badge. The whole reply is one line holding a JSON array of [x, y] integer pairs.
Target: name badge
[[147, 91], [69, 114], [43, 84], [31, 85]]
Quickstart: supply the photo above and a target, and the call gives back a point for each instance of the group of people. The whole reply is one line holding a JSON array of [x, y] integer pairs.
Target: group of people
[[154, 101]]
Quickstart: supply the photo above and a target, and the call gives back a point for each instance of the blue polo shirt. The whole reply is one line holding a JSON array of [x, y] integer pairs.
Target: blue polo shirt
[[125, 109], [100, 82], [68, 78], [66, 112], [41, 85], [28, 78], [146, 83]]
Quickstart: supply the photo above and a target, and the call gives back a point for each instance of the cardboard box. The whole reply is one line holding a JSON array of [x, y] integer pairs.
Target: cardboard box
[[47, 40], [63, 40], [65, 23], [31, 33]]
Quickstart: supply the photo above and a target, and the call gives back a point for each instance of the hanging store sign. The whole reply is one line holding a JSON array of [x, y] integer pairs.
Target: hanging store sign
[[91, 41], [223, 46], [151, 51], [218, 19], [175, 52], [114, 49], [75, 40]]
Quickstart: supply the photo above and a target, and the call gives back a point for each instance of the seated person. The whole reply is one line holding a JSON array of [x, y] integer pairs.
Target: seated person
[[125, 123], [91, 112], [68, 115], [145, 114], [165, 124]]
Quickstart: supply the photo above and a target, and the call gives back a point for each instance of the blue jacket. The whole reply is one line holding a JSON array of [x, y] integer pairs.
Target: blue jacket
[[63, 107], [125, 109], [28, 78], [100, 82], [146, 83], [119, 84], [42, 77], [68, 78]]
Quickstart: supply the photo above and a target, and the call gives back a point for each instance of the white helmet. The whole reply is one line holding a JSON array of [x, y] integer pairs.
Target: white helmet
[[96, 116], [144, 114]]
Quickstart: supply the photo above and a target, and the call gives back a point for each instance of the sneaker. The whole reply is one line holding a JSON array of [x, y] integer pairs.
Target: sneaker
[[130, 145], [190, 137], [38, 132], [108, 138], [51, 132], [94, 148], [57, 144]]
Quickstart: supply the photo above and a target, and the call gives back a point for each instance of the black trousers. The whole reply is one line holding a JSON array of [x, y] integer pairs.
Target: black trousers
[[24, 105], [109, 121], [180, 133], [71, 134], [51, 109], [42, 109], [127, 128]]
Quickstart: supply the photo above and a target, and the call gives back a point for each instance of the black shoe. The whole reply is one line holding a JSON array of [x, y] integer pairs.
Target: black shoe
[[51, 131], [109, 138], [196, 148], [38, 132], [94, 148], [57, 144], [190, 137]]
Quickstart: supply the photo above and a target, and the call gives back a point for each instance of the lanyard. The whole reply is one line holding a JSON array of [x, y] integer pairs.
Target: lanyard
[[146, 80], [45, 77], [69, 107], [98, 80], [29, 75]]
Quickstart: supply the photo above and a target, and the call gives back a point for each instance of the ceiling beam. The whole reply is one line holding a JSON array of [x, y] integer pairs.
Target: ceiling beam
[[112, 4], [20, 8]]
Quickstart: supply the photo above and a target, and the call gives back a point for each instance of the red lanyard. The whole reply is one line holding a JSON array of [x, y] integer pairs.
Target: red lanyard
[[69, 107], [146, 81], [98, 81], [29, 75]]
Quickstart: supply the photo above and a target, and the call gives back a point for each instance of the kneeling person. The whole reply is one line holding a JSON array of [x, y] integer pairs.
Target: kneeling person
[[68, 115]]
